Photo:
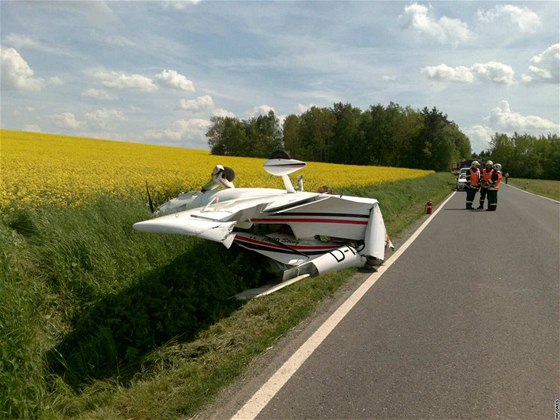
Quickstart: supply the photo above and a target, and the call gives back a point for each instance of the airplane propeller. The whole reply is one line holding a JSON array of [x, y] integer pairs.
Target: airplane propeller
[[150, 198]]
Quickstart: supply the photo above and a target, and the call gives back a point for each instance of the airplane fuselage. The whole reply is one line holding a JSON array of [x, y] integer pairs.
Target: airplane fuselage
[[306, 233]]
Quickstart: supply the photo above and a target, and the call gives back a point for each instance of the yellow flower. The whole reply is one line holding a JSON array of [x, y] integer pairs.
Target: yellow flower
[[44, 169]]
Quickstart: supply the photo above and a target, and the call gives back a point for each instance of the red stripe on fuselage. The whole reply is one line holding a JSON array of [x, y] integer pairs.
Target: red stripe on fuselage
[[314, 220], [278, 246]]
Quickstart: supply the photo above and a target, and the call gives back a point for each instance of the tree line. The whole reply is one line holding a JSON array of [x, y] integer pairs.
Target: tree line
[[381, 135], [526, 156]]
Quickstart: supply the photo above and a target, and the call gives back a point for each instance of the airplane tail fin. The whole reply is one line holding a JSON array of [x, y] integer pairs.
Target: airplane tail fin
[[280, 164]]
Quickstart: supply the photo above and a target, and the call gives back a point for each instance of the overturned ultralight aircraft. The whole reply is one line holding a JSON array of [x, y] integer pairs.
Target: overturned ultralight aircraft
[[303, 233]]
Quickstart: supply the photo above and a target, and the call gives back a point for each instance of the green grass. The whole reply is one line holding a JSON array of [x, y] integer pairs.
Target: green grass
[[99, 321], [546, 188]]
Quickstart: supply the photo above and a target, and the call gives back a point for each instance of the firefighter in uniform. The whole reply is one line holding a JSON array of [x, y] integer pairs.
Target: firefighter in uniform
[[486, 174], [494, 186], [473, 182]]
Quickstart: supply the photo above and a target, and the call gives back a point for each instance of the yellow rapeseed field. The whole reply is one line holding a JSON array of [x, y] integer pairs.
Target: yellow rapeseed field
[[45, 169]]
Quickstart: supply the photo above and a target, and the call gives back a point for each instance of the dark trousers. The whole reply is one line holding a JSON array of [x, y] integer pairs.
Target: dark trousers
[[492, 199], [471, 192], [483, 193]]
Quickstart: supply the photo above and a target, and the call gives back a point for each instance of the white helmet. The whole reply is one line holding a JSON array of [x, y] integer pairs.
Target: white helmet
[[497, 167], [475, 164], [489, 163]]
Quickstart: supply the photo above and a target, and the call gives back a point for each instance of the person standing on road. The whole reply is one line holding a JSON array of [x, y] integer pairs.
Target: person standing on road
[[494, 186], [473, 183], [486, 175]]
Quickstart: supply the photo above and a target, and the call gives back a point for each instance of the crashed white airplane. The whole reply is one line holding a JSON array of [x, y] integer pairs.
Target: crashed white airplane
[[304, 233]]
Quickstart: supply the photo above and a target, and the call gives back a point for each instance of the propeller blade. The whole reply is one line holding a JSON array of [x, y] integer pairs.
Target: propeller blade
[[150, 198]]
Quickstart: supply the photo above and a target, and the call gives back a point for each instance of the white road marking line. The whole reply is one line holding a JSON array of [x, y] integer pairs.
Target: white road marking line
[[262, 397]]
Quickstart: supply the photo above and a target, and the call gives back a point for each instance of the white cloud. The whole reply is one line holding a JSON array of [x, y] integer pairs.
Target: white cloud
[[95, 120], [16, 73], [56, 81], [234, 91], [302, 109], [187, 132], [20, 41], [525, 19], [99, 94], [220, 112], [103, 118], [485, 72], [116, 40], [494, 72], [67, 121], [200, 104], [261, 110], [97, 13], [23, 42], [444, 30], [174, 80], [503, 119], [118, 80], [544, 67], [113, 79], [479, 137], [179, 4], [443, 72], [22, 111]]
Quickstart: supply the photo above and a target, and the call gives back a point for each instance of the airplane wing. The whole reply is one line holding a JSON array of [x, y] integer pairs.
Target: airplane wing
[[216, 220], [290, 202], [189, 224], [308, 214]]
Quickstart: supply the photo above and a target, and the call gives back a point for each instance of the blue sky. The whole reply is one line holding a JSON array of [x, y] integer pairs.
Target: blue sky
[[157, 71]]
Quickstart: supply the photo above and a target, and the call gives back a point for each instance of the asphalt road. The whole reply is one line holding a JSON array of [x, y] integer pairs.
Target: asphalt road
[[465, 324]]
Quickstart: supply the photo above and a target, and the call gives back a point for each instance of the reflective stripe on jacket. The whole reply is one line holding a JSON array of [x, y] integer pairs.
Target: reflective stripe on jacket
[[486, 177], [496, 184], [474, 178]]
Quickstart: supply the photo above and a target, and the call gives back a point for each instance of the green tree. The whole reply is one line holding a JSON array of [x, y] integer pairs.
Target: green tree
[[316, 132], [392, 136], [502, 151], [291, 137], [263, 134], [552, 159], [346, 133], [408, 126], [374, 133], [256, 137], [429, 147], [526, 156], [462, 144], [226, 136]]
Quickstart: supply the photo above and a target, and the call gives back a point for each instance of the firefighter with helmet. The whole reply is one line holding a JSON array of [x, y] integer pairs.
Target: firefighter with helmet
[[494, 186], [486, 175], [473, 183]]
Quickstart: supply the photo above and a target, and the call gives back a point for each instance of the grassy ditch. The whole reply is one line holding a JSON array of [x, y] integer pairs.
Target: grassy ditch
[[544, 187], [97, 320]]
